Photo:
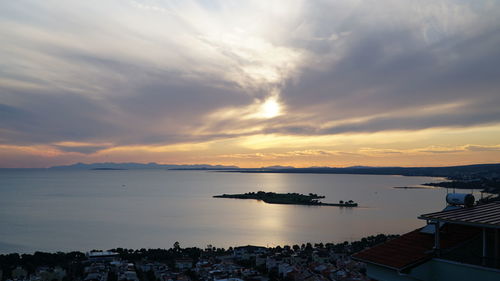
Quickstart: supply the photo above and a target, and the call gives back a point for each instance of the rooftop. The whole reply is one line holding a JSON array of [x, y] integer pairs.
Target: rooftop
[[102, 254], [485, 215], [415, 247]]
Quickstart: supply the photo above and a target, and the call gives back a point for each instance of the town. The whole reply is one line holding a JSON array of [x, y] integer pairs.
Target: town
[[249, 263]]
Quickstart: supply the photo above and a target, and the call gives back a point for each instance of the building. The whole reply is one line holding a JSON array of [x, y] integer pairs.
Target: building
[[19, 273], [102, 256], [184, 264], [248, 252], [463, 244], [50, 274]]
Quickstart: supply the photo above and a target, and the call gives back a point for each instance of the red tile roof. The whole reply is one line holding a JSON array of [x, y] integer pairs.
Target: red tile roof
[[414, 247]]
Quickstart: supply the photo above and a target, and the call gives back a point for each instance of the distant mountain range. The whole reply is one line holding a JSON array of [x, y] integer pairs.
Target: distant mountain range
[[479, 170], [140, 166]]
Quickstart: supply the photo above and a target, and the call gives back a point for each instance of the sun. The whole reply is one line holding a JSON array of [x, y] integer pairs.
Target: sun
[[270, 108]]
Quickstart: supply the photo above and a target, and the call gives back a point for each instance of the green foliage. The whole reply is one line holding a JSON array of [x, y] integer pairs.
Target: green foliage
[[31, 261], [73, 262]]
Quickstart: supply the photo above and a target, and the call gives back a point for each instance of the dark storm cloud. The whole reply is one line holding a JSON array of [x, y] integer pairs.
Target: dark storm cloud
[[160, 108], [384, 72], [49, 117], [398, 123], [153, 75], [417, 123]]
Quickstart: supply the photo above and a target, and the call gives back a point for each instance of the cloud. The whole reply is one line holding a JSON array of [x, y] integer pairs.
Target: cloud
[[389, 72], [159, 73], [433, 150], [285, 155], [441, 150], [472, 147], [80, 147]]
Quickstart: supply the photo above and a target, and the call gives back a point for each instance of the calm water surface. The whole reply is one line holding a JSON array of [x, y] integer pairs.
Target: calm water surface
[[52, 210]]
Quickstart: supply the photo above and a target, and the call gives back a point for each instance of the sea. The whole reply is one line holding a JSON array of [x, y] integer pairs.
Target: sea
[[81, 210]]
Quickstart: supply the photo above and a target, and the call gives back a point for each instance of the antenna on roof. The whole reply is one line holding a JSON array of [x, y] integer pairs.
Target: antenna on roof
[[457, 199], [447, 192]]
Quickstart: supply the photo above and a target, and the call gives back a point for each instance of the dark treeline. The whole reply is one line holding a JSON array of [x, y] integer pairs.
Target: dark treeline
[[73, 262], [169, 255]]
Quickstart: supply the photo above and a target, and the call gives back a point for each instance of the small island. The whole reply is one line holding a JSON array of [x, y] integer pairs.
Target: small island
[[287, 198]]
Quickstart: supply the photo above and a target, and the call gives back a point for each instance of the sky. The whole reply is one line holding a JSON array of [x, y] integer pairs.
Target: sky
[[250, 83]]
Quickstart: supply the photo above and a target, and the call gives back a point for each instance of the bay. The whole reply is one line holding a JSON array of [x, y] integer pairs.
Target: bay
[[53, 210]]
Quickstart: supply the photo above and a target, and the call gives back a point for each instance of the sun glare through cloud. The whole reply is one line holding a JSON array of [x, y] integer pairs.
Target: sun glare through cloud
[[130, 125], [270, 108], [214, 74]]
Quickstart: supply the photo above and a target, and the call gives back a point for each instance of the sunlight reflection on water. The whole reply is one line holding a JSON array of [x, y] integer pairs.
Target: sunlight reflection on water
[[82, 210]]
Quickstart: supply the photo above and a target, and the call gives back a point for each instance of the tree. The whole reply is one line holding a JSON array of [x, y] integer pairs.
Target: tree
[[112, 276], [177, 246], [150, 275]]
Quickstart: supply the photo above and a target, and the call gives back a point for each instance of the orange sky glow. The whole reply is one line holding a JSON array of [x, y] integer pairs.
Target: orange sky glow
[[253, 84]]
